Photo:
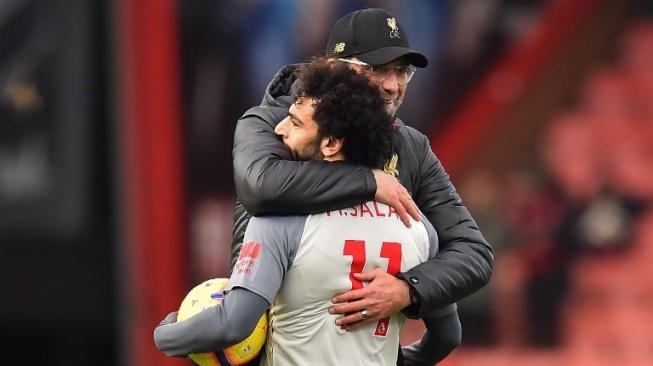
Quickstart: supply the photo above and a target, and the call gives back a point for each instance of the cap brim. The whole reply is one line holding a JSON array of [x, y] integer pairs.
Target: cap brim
[[385, 55]]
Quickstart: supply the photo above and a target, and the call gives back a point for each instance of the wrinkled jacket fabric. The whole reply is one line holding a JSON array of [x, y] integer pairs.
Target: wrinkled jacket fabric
[[268, 181]]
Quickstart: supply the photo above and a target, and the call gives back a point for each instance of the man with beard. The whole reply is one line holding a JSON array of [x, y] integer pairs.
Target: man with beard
[[268, 181], [296, 264]]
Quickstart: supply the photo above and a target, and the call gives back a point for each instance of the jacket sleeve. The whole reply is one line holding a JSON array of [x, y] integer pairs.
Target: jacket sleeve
[[465, 260], [443, 334], [267, 180]]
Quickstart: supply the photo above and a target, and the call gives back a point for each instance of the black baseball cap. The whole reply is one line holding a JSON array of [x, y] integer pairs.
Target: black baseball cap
[[373, 36]]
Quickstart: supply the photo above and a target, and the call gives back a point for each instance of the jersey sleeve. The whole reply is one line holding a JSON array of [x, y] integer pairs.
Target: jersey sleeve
[[214, 328], [268, 249]]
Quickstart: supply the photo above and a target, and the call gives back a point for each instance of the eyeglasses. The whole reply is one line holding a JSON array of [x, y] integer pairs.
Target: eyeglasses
[[378, 74]]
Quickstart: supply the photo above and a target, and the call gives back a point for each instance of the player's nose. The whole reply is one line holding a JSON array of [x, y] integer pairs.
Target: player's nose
[[282, 129]]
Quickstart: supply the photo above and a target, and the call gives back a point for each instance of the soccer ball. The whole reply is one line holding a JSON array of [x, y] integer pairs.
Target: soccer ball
[[206, 295]]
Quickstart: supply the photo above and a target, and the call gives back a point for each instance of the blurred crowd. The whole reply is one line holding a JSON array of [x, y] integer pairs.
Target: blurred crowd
[[568, 228]]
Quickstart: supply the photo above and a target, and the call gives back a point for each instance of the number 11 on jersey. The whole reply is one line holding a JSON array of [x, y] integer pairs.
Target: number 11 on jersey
[[389, 250]]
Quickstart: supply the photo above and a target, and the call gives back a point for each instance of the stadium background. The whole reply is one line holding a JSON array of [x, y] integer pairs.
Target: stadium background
[[116, 123]]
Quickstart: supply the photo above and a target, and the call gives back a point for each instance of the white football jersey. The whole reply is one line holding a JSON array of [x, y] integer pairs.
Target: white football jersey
[[299, 263]]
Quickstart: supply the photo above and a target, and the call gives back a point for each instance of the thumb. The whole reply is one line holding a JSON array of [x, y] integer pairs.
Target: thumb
[[367, 276], [169, 319]]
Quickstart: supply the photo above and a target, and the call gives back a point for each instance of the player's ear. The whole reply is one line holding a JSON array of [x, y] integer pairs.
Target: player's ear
[[331, 146]]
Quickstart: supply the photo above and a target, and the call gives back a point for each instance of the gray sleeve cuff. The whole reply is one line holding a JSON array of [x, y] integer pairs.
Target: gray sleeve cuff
[[215, 328]]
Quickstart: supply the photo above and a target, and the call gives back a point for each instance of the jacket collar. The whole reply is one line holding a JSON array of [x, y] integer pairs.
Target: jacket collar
[[278, 92]]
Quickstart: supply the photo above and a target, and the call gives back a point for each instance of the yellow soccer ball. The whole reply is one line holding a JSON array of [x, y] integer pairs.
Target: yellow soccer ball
[[208, 294]]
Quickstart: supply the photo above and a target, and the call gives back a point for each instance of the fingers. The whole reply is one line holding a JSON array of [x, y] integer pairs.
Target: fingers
[[352, 295], [381, 298], [172, 317], [369, 276], [403, 214], [169, 319], [390, 191], [412, 208], [347, 308], [353, 317], [406, 207], [354, 320]]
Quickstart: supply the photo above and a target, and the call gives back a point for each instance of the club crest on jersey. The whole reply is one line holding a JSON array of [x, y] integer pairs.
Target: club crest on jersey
[[339, 47], [394, 29], [382, 327], [390, 166], [246, 260]]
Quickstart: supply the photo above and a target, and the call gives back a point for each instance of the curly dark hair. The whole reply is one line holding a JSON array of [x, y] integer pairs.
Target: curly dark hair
[[347, 106]]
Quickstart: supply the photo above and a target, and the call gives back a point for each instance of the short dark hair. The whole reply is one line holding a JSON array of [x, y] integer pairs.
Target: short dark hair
[[347, 106]]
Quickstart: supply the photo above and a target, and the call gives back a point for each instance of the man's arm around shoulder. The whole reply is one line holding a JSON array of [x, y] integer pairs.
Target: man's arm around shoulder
[[268, 180]]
